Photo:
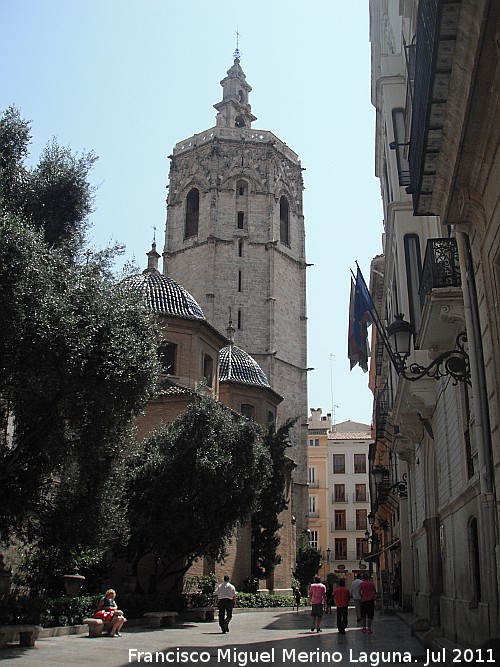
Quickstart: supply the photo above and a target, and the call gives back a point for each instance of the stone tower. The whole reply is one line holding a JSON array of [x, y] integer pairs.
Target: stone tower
[[235, 239]]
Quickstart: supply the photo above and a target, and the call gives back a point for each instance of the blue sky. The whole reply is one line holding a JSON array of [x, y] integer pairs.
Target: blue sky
[[128, 79]]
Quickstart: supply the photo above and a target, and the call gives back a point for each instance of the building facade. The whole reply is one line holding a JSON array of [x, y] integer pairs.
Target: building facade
[[339, 501], [436, 464], [235, 239]]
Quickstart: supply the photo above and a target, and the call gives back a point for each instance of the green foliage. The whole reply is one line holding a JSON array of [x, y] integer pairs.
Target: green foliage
[[192, 482], [259, 600], [308, 563], [47, 612], [272, 501], [77, 363]]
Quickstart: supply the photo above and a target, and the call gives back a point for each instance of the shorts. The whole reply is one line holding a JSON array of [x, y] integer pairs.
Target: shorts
[[367, 609], [317, 610]]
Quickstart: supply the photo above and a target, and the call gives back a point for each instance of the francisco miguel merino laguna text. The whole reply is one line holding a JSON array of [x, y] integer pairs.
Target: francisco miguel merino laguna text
[[230, 656]]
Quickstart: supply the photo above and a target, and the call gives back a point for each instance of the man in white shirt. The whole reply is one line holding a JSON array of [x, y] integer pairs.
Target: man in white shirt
[[356, 596], [225, 601]]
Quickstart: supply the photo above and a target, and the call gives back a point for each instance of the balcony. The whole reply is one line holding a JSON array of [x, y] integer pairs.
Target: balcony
[[441, 295], [437, 27]]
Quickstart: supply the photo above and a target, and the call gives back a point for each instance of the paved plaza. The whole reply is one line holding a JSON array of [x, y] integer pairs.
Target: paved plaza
[[279, 637]]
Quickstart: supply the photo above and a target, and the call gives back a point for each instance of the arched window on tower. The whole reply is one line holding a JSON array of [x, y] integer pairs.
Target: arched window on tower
[[284, 221], [192, 213]]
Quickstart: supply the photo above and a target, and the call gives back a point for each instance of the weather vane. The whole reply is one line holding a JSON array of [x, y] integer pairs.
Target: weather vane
[[154, 233], [237, 53]]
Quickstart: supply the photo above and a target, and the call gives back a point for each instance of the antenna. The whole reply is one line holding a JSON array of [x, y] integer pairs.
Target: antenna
[[154, 233]]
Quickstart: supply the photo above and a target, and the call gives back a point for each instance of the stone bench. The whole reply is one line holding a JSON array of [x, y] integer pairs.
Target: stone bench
[[199, 614], [96, 626], [155, 618], [28, 634]]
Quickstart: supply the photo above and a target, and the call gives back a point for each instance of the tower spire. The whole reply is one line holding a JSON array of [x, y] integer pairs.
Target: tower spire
[[237, 52], [235, 110]]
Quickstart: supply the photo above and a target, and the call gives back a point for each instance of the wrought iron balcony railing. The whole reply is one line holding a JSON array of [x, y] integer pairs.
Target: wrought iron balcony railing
[[441, 267]]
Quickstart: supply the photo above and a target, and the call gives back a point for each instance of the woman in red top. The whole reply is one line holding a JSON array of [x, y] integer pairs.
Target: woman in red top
[[341, 596], [368, 594]]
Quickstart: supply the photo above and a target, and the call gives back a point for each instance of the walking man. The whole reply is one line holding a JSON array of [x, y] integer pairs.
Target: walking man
[[356, 596], [341, 596], [317, 600], [225, 601], [368, 594]]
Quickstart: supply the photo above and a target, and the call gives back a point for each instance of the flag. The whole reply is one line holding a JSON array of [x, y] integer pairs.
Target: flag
[[361, 315]]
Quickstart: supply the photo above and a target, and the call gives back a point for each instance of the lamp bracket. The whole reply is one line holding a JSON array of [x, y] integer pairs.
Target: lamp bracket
[[454, 363]]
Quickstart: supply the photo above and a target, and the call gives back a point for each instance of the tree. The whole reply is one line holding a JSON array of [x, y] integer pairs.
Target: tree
[[272, 501], [77, 360], [193, 482], [308, 563]]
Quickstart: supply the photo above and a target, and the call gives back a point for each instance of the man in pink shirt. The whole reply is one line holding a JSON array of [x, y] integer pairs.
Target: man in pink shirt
[[368, 593], [317, 600]]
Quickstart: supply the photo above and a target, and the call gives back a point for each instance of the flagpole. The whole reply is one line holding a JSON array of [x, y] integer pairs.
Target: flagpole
[[376, 318]]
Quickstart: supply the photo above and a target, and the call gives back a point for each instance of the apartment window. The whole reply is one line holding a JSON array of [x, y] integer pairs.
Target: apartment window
[[360, 493], [339, 493], [192, 213], [339, 464], [284, 221], [413, 274], [313, 538], [398, 122], [362, 549], [340, 546], [359, 463], [340, 520], [313, 505], [313, 442], [166, 358], [361, 522], [247, 410], [311, 475]]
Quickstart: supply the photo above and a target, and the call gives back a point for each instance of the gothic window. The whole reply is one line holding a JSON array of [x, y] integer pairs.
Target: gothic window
[[284, 221], [192, 213], [208, 369], [240, 249], [239, 281], [241, 220], [247, 410], [239, 319], [239, 122], [166, 357]]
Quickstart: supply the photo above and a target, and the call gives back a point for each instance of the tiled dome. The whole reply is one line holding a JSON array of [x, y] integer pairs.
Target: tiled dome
[[235, 365], [166, 297]]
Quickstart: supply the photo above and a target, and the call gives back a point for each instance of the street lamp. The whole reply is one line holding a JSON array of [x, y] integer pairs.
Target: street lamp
[[454, 363]]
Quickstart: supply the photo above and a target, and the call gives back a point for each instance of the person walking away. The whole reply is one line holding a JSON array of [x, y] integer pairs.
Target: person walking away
[[341, 597], [317, 600], [356, 596], [368, 594], [297, 595], [225, 601]]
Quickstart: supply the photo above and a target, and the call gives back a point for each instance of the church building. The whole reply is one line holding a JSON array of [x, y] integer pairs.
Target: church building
[[235, 240]]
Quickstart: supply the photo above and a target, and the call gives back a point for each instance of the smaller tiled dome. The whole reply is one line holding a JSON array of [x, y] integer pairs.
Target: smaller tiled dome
[[165, 296], [235, 365]]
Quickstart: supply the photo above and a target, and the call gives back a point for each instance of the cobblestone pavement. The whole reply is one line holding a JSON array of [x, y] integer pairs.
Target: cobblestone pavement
[[278, 637]]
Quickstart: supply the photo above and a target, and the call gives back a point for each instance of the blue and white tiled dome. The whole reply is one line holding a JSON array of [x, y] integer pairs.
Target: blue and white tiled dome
[[165, 296], [235, 365]]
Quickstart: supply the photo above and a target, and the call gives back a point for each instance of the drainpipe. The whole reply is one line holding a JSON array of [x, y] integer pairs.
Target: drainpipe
[[482, 423]]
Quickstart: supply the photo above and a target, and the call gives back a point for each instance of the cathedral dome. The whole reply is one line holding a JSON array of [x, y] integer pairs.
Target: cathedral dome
[[165, 296], [235, 365]]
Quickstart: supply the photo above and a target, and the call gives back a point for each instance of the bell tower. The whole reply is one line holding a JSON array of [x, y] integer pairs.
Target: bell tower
[[235, 240]]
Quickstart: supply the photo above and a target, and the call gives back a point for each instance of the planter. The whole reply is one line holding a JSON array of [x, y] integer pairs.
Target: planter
[[73, 583]]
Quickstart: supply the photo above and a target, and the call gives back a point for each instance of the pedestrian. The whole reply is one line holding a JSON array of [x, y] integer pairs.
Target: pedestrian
[[297, 596], [341, 597], [317, 599], [368, 594], [225, 601], [329, 593], [107, 610], [356, 596]]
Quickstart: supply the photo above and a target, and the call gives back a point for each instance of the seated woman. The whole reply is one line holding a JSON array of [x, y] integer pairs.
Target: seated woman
[[107, 611]]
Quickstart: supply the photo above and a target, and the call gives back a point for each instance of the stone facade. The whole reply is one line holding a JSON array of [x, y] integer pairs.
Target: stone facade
[[235, 239]]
